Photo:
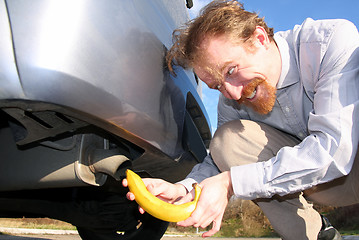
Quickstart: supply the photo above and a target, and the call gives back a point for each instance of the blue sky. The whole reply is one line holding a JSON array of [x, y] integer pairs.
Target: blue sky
[[283, 15]]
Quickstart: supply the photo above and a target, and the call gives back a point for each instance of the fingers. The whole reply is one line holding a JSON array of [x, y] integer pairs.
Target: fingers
[[141, 210], [210, 207], [124, 182], [215, 228], [203, 223], [157, 187], [163, 190], [203, 215], [199, 218], [187, 198], [153, 187], [130, 196]]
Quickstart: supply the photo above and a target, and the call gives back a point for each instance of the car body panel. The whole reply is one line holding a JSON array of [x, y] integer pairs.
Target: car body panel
[[85, 95], [104, 58]]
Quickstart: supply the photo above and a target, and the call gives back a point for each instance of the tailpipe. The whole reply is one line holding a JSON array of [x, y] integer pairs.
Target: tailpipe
[[107, 161]]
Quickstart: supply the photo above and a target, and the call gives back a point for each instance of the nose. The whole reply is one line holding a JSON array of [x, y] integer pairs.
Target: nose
[[231, 91]]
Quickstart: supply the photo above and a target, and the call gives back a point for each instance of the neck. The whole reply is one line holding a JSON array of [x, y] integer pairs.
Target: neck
[[275, 64]]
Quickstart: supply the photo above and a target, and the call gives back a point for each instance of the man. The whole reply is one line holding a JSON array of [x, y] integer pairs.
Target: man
[[288, 118]]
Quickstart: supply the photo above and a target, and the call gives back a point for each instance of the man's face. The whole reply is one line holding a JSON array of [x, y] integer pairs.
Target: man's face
[[239, 74]]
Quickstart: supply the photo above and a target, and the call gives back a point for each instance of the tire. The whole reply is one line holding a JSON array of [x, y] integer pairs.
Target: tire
[[149, 228]]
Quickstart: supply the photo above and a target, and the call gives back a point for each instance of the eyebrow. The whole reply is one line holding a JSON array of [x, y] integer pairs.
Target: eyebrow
[[213, 86], [225, 65]]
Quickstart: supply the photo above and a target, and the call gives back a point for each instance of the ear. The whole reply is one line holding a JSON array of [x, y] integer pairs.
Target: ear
[[261, 37]]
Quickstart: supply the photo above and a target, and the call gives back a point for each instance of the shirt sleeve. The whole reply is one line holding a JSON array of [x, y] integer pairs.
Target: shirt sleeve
[[208, 168], [201, 171], [329, 150]]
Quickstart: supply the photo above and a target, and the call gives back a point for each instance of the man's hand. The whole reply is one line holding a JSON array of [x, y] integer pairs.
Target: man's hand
[[212, 203], [164, 190]]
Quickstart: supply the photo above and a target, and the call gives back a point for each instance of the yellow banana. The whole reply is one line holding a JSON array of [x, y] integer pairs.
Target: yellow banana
[[157, 207]]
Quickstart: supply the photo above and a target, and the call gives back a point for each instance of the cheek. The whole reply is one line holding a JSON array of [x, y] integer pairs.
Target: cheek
[[244, 75], [226, 95]]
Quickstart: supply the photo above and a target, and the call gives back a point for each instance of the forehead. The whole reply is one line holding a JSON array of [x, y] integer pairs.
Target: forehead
[[215, 47], [208, 76], [215, 51]]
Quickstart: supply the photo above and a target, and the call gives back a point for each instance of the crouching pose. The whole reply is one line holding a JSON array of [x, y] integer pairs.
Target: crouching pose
[[288, 118]]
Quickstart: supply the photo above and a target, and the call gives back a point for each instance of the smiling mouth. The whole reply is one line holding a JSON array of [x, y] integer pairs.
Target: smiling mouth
[[250, 91], [252, 95]]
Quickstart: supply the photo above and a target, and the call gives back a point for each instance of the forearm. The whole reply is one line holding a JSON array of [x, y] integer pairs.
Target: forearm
[[293, 169]]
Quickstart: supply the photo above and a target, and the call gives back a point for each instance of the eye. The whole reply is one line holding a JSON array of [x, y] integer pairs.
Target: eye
[[231, 71], [217, 86]]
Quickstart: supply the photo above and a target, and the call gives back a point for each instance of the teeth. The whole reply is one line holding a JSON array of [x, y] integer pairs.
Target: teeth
[[252, 95]]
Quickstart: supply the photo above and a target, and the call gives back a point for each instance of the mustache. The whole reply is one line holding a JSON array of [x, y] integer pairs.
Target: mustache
[[264, 100]]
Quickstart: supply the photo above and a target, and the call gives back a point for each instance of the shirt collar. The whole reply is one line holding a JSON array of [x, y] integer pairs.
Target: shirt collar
[[289, 74]]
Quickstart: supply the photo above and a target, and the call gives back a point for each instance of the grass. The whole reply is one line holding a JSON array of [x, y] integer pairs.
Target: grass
[[35, 223], [243, 218]]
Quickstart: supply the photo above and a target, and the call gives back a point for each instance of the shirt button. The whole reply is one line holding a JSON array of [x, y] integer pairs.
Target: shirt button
[[301, 135], [287, 109]]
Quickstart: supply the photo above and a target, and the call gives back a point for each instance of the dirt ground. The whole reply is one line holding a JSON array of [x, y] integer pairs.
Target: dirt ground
[[40, 237], [76, 237], [199, 238], [166, 237]]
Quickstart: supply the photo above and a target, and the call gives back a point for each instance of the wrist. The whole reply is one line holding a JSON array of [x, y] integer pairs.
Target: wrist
[[228, 183]]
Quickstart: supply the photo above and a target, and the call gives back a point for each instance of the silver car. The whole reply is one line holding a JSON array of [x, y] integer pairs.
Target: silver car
[[85, 95]]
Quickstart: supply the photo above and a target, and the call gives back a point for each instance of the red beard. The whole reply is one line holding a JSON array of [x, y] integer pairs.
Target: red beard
[[264, 98]]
